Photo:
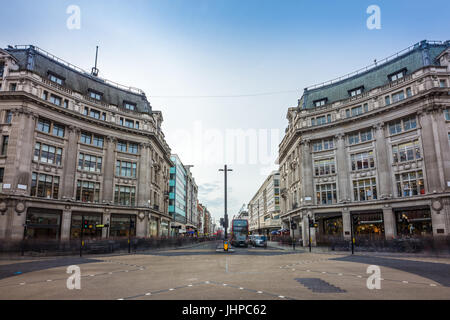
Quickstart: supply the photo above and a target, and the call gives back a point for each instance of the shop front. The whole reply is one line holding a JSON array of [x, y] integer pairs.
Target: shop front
[[153, 227], [413, 222], [330, 227], [164, 228], [80, 219], [122, 226], [368, 225], [43, 224]]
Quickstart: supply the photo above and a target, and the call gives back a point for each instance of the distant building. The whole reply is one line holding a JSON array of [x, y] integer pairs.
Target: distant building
[[264, 207]]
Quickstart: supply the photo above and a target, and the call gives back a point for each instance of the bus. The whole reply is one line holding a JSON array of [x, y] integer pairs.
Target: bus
[[239, 232]]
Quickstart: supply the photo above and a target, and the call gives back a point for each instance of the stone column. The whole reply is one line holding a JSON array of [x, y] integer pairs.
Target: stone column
[[442, 146], [20, 152], [440, 210], [144, 176], [106, 220], [342, 170], [3, 218], [383, 164], [390, 227], [17, 217], [70, 163], [307, 172], [432, 165], [141, 224], [346, 224], [110, 164], [66, 223]]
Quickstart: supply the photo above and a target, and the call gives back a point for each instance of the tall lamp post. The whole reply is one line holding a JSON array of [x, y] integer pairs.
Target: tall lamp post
[[225, 218]]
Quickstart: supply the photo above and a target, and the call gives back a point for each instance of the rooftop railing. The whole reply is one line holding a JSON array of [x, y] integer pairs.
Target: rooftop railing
[[374, 65], [78, 69]]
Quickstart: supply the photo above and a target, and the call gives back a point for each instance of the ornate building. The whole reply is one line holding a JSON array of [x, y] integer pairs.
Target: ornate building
[[77, 147], [370, 150]]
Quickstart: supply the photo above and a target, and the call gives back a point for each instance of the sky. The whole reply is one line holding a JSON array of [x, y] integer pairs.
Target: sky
[[223, 72]]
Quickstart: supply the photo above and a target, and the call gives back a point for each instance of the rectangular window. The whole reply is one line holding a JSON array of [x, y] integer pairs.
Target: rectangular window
[[86, 138], [408, 92], [395, 127], [44, 125], [66, 103], [55, 79], [133, 148], [387, 100], [398, 96], [98, 141], [8, 116], [55, 100], [324, 167], [363, 160], [129, 106], [442, 83], [47, 154], [45, 95], [95, 95], [94, 114], [121, 146], [5, 141], [126, 169], [104, 116], [365, 190], [124, 195], [136, 126], [58, 130], [44, 186], [89, 162], [447, 114], [326, 194], [406, 151], [12, 87], [129, 123], [2, 173], [321, 102], [356, 111], [88, 191], [410, 184], [355, 92], [397, 75], [361, 136]]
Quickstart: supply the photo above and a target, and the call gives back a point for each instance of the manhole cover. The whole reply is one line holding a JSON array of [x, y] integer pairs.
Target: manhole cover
[[318, 285]]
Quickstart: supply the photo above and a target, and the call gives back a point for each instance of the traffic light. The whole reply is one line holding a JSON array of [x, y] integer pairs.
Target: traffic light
[[131, 224], [293, 225], [85, 224]]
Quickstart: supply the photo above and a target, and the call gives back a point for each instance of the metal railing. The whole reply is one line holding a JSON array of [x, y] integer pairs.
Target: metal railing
[[372, 66], [78, 69]]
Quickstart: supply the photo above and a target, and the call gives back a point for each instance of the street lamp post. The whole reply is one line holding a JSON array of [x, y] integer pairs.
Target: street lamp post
[[309, 232], [225, 170]]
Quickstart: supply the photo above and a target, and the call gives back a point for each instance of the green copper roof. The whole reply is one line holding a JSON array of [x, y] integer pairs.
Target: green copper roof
[[420, 55]]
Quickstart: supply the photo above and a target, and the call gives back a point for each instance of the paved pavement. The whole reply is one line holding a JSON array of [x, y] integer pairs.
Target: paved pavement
[[201, 273]]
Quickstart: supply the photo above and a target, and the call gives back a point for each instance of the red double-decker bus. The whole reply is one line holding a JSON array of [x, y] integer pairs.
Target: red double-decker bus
[[239, 232]]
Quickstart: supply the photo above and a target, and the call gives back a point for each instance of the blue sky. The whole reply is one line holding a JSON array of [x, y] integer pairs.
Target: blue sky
[[220, 48]]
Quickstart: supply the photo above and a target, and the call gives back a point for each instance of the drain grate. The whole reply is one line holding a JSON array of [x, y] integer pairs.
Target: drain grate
[[318, 285]]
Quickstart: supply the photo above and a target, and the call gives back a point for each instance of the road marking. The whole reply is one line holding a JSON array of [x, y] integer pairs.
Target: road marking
[[148, 294], [359, 276], [323, 272], [282, 297], [22, 283], [171, 289], [224, 284], [259, 292], [120, 299], [92, 275], [405, 281], [432, 284], [49, 280], [241, 288], [207, 282], [339, 274]]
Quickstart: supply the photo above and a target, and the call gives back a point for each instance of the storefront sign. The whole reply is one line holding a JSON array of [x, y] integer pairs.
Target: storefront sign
[[22, 186]]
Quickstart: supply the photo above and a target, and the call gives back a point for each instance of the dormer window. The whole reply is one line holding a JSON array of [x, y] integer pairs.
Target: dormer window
[[95, 95], [320, 103], [397, 75], [55, 78], [129, 106], [356, 91]]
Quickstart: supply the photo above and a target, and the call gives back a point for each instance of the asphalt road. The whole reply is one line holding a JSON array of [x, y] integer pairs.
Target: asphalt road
[[247, 273]]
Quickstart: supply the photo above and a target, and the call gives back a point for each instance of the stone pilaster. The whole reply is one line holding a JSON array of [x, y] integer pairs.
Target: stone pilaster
[[390, 227], [70, 163], [66, 223], [144, 176], [432, 165], [383, 164], [342, 170], [346, 224], [108, 176], [307, 172]]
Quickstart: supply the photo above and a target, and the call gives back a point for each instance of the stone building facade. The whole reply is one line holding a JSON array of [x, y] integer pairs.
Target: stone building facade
[[77, 147], [264, 208], [370, 152]]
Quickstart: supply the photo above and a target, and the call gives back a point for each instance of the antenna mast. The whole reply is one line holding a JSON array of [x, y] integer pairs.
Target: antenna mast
[[94, 71]]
